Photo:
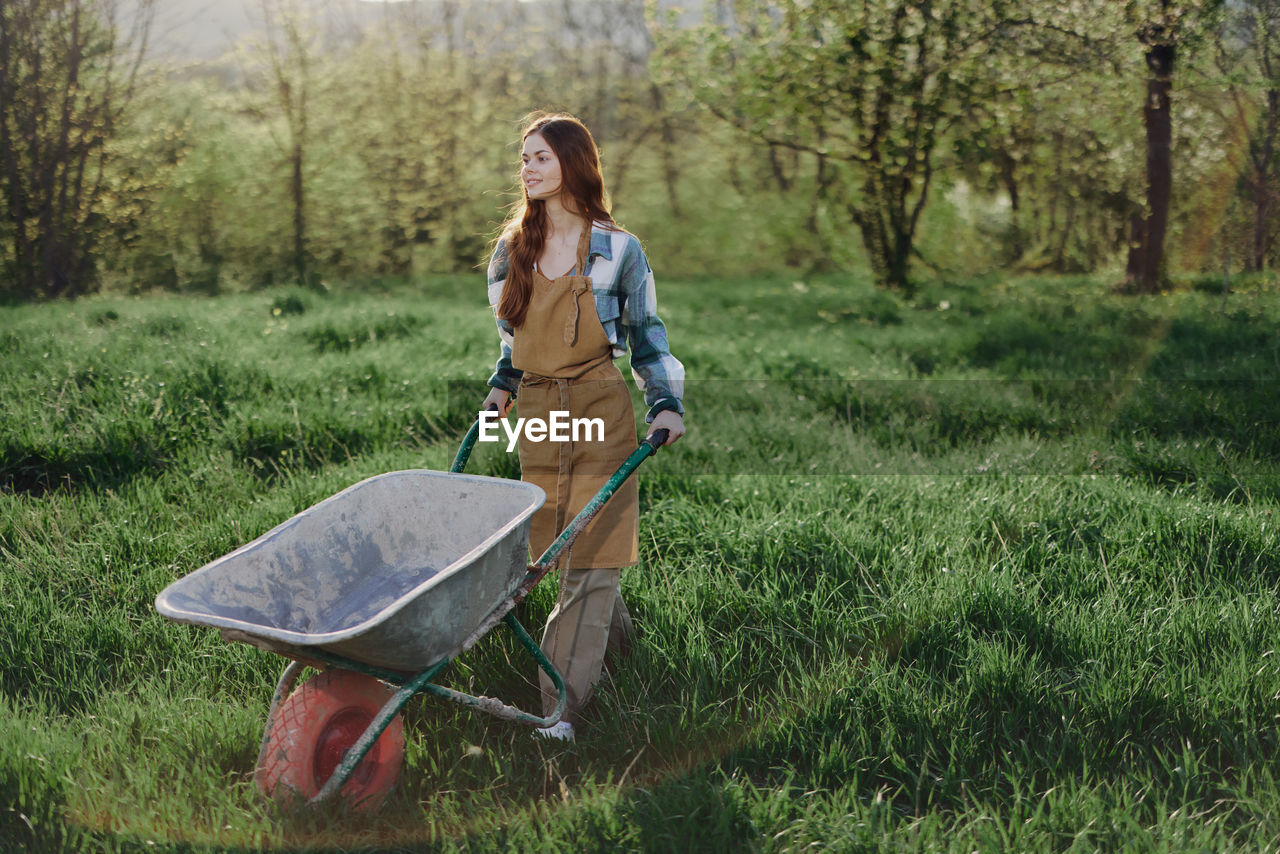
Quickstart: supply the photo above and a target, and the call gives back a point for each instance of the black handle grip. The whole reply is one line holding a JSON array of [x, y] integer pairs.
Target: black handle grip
[[657, 439]]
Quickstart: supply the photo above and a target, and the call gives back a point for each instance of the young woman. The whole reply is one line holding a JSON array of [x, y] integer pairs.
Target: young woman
[[571, 292]]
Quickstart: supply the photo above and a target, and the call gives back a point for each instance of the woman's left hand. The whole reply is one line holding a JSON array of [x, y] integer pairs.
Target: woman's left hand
[[669, 420]]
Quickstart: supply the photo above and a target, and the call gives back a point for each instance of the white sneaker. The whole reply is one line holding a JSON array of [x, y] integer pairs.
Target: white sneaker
[[561, 731]]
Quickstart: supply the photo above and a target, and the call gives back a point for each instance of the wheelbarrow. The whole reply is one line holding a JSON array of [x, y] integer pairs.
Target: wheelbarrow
[[379, 587]]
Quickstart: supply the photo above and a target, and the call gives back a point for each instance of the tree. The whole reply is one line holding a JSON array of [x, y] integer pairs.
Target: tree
[[291, 56], [1163, 28], [1144, 270], [1249, 58], [1064, 164], [877, 86], [423, 95], [68, 73]]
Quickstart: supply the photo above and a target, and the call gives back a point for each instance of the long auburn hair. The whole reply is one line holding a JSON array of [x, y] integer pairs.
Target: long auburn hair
[[525, 231]]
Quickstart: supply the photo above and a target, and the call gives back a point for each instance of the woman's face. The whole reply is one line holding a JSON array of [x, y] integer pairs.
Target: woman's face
[[540, 173]]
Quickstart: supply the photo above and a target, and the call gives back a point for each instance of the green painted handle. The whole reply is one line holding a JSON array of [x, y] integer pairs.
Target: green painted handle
[[543, 565], [647, 448], [468, 442]]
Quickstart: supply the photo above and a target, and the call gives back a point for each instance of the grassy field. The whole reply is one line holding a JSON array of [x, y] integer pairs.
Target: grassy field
[[993, 569]]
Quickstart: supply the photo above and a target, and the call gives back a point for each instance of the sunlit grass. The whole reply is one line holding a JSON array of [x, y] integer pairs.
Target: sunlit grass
[[993, 568]]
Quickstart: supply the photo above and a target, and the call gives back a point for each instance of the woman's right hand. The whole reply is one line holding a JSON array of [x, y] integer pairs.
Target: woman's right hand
[[500, 397]]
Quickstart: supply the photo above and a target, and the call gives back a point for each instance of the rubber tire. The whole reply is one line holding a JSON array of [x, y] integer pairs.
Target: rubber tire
[[315, 725]]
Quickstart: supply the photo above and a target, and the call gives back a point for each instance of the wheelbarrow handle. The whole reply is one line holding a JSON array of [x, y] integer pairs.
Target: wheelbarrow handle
[[543, 565], [469, 442], [657, 439]]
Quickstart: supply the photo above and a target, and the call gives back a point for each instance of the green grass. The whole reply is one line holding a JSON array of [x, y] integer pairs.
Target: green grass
[[993, 569]]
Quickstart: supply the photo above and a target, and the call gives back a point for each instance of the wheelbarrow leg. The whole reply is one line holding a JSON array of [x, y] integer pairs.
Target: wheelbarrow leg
[[547, 668], [499, 709]]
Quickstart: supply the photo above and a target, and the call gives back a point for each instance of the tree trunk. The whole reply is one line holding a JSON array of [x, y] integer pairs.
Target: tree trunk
[[297, 191], [888, 247], [1009, 179], [1262, 193], [667, 140], [1144, 272], [1261, 225]]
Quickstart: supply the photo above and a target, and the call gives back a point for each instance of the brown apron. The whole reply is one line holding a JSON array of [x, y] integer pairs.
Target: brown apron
[[568, 366]]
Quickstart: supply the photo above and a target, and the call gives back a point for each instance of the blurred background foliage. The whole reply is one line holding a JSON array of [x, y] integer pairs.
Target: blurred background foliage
[[321, 140]]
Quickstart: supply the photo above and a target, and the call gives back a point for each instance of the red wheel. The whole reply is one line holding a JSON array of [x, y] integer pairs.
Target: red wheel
[[316, 725]]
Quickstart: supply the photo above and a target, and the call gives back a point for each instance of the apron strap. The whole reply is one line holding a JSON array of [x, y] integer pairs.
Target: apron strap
[[584, 251], [578, 285]]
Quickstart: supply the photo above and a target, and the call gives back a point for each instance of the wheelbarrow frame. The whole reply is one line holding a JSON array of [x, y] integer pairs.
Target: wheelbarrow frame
[[409, 685]]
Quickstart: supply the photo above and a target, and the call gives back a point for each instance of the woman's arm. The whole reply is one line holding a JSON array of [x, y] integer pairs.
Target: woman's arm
[[505, 376], [659, 374]]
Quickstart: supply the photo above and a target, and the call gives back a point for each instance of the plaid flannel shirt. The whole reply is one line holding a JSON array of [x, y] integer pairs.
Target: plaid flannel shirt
[[622, 285]]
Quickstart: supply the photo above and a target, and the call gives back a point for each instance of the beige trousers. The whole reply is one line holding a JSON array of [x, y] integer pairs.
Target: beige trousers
[[589, 620]]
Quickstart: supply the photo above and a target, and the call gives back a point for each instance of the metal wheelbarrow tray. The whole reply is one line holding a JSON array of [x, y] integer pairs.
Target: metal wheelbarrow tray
[[379, 586], [397, 571]]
